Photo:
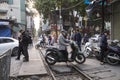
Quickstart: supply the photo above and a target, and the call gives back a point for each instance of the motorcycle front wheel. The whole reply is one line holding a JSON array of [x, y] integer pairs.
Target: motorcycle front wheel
[[50, 58], [80, 58], [112, 58], [87, 53]]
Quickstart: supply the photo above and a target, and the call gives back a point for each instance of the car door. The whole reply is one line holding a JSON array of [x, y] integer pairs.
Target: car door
[[6, 44]]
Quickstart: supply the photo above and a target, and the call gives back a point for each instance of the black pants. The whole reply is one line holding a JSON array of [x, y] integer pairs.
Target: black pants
[[103, 53], [25, 51], [73, 55], [20, 51], [79, 45]]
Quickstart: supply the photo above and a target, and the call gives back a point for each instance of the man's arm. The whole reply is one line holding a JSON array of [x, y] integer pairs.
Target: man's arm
[[63, 41]]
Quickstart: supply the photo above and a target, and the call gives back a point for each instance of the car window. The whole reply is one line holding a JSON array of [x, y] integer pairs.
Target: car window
[[5, 41]]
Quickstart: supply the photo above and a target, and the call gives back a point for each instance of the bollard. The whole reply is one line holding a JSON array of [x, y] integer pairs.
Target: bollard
[[5, 59]]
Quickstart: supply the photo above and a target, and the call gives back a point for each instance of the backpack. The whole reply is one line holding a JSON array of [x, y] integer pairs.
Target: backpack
[[29, 39]]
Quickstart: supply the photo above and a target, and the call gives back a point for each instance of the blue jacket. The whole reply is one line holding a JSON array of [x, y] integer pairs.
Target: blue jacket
[[103, 41], [78, 37]]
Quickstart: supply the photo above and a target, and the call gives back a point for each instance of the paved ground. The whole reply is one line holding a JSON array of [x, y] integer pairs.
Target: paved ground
[[35, 65], [91, 67], [96, 71]]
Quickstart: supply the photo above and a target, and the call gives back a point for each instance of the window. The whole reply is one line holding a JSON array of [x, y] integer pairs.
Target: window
[[3, 1], [5, 41], [10, 1]]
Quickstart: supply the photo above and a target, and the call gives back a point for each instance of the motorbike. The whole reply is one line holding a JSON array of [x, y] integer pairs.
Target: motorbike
[[91, 49], [40, 43], [54, 55], [113, 54]]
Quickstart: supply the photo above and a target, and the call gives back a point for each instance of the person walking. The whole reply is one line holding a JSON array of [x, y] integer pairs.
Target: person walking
[[52, 41], [23, 46], [20, 49], [103, 46], [85, 38], [25, 43], [78, 38], [49, 39]]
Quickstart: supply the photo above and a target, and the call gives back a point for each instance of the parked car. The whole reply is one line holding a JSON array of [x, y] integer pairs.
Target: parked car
[[9, 43]]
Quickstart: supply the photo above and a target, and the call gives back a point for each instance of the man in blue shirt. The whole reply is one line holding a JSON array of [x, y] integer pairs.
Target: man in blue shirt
[[103, 46], [78, 38]]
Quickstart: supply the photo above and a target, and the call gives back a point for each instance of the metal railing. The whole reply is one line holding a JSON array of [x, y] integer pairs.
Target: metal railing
[[5, 60]]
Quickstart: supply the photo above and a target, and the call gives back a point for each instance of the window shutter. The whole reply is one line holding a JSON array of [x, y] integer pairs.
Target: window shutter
[[10, 1]]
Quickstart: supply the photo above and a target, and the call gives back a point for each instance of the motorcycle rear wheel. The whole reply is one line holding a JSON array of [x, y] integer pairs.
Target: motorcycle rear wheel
[[50, 59], [80, 58], [112, 61]]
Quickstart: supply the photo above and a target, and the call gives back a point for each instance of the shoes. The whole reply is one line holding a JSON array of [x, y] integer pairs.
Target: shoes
[[102, 63], [25, 60], [17, 59]]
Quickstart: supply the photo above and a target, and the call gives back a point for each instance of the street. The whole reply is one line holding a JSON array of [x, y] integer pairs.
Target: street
[[38, 23], [91, 67]]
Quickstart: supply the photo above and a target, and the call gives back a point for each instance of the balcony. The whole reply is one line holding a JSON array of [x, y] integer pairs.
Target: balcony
[[3, 10], [3, 6]]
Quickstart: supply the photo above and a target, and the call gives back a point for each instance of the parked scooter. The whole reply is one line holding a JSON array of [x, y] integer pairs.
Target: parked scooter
[[113, 55], [91, 50], [40, 43], [54, 55]]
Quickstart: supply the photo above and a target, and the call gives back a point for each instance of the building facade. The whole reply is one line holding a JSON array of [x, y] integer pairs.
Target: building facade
[[115, 20], [3, 10], [14, 10]]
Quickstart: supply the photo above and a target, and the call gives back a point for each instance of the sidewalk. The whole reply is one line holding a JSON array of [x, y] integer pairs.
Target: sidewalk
[[35, 65]]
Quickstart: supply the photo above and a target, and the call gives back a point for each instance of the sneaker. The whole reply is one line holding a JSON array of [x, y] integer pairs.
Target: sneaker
[[25, 60]]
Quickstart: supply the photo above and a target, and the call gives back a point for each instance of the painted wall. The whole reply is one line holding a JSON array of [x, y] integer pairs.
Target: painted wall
[[115, 20], [3, 8], [14, 10], [23, 13]]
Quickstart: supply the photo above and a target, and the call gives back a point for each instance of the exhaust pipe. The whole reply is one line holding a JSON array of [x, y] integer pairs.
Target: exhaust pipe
[[115, 58], [49, 57]]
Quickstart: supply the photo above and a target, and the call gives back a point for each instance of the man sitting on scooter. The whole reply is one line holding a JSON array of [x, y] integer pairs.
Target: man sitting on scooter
[[63, 43]]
